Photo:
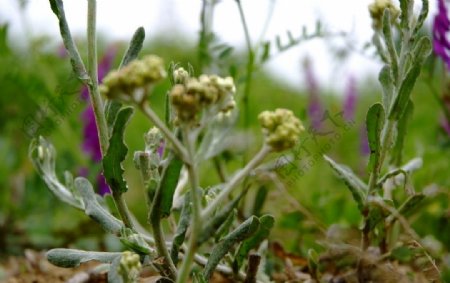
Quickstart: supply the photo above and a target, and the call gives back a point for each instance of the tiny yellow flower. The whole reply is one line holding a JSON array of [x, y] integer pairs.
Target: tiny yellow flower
[[281, 128], [132, 79], [376, 10]]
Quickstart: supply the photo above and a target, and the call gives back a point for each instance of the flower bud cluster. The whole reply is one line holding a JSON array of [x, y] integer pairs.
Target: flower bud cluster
[[130, 266], [208, 92], [132, 80], [281, 128], [376, 11]]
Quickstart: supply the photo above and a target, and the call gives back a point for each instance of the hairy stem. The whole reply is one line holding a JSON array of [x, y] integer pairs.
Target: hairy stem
[[97, 103], [238, 177], [249, 69], [122, 208], [167, 266], [195, 219]]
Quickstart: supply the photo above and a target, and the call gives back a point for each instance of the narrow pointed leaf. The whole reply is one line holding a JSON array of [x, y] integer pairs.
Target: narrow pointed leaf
[[422, 50], [134, 48], [388, 39], [94, 210], [397, 150], [401, 101], [211, 226], [73, 258], [245, 230], [374, 124], [357, 187], [266, 224], [404, 15], [116, 153], [411, 204], [169, 181], [182, 227], [422, 17], [385, 78], [260, 199], [75, 58]]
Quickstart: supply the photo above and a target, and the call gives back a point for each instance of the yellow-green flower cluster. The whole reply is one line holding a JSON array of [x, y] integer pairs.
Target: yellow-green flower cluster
[[376, 11], [130, 82], [130, 266], [281, 127], [192, 95]]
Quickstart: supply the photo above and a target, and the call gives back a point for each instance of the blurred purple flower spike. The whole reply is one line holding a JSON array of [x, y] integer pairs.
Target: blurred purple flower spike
[[161, 148], [91, 144], [364, 148], [349, 106], [441, 25], [315, 111], [102, 186]]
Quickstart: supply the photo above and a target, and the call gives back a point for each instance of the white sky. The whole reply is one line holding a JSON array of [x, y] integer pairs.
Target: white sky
[[120, 18]]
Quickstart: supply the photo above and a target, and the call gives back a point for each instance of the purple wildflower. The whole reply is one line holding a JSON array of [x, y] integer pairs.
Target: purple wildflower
[[441, 25], [161, 148], [91, 143], [349, 106], [102, 186], [315, 111]]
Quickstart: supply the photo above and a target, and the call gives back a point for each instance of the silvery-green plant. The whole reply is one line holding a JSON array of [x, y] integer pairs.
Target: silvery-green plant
[[199, 113], [403, 51]]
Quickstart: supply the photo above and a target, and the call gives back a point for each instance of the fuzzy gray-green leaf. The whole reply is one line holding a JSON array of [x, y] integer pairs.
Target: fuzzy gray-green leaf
[[397, 150], [245, 230], [374, 124], [401, 101], [357, 187], [134, 48], [169, 181], [385, 78], [73, 258], [116, 153], [182, 227], [404, 16], [422, 50], [422, 17], [75, 58], [211, 226], [387, 33], [94, 210], [266, 224]]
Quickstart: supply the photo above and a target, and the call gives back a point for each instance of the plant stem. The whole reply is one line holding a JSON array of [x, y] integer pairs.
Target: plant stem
[[228, 188], [168, 267], [249, 69], [196, 219], [97, 103], [178, 146], [123, 210]]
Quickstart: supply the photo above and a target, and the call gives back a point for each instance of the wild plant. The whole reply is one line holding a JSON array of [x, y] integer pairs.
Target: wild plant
[[199, 113]]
